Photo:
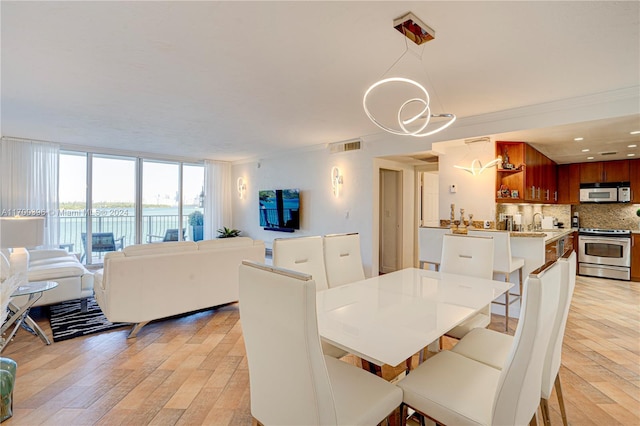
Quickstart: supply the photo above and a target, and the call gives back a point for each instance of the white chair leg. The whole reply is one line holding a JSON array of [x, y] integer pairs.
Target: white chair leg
[[506, 305]]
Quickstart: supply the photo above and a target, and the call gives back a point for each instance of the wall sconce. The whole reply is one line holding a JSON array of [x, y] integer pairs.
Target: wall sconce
[[476, 170], [242, 188], [336, 181]]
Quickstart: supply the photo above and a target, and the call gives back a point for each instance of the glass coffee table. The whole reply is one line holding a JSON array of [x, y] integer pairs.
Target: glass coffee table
[[20, 314]]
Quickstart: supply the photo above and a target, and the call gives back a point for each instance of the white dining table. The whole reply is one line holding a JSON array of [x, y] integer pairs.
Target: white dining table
[[389, 318]]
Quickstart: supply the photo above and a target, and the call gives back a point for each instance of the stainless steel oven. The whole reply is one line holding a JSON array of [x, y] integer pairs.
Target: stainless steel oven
[[604, 253]]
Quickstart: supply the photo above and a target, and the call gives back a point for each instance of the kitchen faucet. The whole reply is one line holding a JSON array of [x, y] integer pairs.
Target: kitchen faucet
[[535, 228]]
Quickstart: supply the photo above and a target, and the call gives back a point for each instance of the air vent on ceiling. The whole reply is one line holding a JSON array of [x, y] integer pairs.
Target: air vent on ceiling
[[350, 145], [608, 153]]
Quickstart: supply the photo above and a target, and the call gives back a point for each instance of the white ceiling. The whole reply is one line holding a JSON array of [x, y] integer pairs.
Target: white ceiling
[[233, 80]]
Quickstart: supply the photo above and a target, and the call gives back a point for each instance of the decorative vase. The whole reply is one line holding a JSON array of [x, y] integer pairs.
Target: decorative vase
[[7, 381]]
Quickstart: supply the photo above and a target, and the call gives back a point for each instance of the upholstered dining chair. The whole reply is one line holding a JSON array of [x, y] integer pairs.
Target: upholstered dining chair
[[302, 254], [343, 261], [306, 255], [473, 256], [453, 389], [492, 348], [290, 381], [504, 263], [430, 245]]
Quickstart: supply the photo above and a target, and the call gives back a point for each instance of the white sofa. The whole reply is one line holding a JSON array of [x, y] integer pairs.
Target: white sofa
[[145, 282], [74, 280]]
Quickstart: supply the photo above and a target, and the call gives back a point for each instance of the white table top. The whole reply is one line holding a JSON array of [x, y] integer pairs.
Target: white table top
[[387, 319]]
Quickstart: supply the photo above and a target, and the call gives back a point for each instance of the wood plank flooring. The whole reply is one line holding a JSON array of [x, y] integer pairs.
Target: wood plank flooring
[[193, 370]]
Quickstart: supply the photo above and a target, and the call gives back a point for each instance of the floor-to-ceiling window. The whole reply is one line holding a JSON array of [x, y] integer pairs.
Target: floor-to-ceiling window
[[160, 201], [129, 200], [192, 200]]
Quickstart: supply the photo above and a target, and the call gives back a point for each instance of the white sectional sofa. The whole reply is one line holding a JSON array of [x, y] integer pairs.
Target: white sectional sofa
[[74, 280], [145, 282]]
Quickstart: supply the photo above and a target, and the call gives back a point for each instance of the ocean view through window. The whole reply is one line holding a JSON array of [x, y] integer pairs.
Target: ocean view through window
[[98, 197]]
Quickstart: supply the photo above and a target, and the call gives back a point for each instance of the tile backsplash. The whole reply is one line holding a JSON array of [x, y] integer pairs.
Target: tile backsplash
[[608, 216], [604, 216]]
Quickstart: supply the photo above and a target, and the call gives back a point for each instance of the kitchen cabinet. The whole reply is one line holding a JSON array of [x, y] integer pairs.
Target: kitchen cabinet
[[635, 257], [604, 171], [569, 183], [532, 178], [634, 177]]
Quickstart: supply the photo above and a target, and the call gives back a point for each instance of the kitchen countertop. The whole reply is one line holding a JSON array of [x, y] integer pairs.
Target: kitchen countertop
[[549, 235]]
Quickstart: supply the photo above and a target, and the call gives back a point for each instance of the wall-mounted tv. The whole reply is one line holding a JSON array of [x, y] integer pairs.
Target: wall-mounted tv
[[280, 209]]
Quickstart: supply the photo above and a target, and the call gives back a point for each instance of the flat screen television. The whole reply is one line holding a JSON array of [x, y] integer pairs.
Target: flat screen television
[[280, 209]]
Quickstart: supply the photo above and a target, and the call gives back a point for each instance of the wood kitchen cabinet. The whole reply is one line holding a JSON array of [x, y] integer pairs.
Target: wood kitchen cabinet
[[635, 257], [569, 183], [634, 177], [533, 177], [604, 171]]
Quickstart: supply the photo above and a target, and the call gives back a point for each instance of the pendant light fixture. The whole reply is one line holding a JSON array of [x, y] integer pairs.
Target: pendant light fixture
[[411, 121]]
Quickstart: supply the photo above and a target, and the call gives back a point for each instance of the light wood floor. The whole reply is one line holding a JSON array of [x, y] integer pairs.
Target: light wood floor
[[193, 370]]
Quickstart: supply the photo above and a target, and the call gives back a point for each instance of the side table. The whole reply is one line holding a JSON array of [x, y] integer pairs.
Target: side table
[[20, 315]]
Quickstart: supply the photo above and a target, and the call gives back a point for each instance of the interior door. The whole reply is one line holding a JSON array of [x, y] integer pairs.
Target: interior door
[[390, 220]]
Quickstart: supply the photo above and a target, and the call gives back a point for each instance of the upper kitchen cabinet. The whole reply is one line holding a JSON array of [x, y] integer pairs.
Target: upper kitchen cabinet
[[569, 184], [604, 171], [525, 175], [634, 177]]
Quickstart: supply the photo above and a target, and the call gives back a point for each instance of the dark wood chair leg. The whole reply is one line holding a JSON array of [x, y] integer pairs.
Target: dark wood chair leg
[[544, 408], [561, 400]]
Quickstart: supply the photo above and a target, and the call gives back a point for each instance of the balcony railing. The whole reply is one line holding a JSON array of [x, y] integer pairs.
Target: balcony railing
[[72, 228]]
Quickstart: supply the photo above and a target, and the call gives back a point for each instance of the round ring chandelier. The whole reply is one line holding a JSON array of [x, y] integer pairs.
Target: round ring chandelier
[[425, 114]]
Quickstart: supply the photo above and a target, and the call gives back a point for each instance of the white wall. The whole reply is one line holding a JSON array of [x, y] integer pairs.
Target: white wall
[[474, 194]]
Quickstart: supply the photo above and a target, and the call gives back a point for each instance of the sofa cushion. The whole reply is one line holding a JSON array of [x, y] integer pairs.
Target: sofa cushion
[[159, 248], [225, 242], [51, 260], [59, 270]]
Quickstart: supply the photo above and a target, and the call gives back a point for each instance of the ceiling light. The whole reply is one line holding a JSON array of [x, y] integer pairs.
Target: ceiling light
[[635, 132], [589, 158], [585, 150], [578, 139], [631, 155], [632, 146], [411, 121]]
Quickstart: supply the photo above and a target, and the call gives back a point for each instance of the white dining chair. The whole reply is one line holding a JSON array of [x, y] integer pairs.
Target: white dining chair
[[473, 256], [290, 381], [430, 245], [492, 348], [504, 263], [343, 261], [453, 389], [302, 254], [306, 255]]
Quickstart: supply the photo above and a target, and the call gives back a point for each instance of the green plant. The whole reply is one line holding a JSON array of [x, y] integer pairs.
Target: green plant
[[638, 213], [228, 232], [196, 218]]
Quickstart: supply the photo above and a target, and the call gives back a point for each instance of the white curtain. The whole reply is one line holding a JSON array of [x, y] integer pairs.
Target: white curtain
[[29, 182], [217, 197]]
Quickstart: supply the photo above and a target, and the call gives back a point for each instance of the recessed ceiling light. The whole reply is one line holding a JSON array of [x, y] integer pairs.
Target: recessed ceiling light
[[585, 150], [589, 158], [631, 155], [632, 146], [578, 139], [635, 132]]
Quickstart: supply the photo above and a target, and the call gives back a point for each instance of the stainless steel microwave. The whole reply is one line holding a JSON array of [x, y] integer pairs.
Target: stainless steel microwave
[[609, 192]]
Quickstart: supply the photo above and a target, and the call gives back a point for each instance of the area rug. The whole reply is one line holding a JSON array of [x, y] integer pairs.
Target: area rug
[[68, 321]]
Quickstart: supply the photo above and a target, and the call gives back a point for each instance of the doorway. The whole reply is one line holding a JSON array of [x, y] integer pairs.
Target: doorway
[[390, 250]]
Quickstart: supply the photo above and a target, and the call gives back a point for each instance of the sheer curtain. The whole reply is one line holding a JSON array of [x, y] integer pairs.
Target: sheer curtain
[[29, 182], [217, 197]]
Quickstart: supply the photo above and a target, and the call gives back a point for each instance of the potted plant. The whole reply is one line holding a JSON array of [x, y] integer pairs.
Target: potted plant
[[196, 222], [228, 232]]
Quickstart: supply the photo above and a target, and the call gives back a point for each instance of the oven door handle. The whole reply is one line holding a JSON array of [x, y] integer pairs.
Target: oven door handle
[[592, 239]]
